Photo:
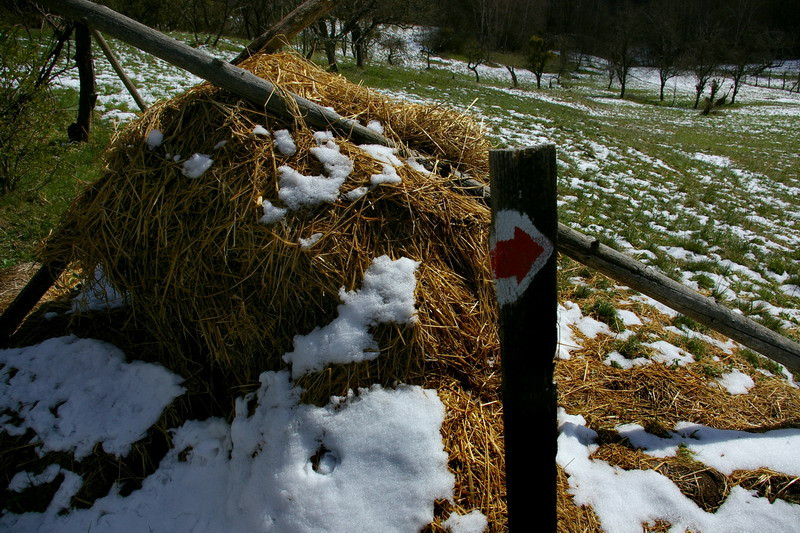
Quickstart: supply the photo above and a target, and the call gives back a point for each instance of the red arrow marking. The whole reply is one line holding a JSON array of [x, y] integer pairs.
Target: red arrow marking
[[515, 257]]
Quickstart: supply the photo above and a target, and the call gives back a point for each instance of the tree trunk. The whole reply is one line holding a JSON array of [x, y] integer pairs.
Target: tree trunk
[[514, 82], [79, 130], [358, 46], [328, 44], [698, 91]]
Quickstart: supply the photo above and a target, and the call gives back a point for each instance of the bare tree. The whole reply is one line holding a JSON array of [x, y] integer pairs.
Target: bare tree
[[663, 41], [538, 56], [752, 48], [622, 42], [703, 55], [477, 55]]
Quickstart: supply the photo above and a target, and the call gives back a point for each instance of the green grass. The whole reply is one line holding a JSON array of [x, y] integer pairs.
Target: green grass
[[629, 172], [30, 212]]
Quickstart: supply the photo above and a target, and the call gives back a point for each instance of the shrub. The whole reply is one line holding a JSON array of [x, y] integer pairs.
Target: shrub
[[28, 62]]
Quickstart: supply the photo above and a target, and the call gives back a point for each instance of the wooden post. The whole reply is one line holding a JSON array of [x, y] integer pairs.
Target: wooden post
[[523, 243], [277, 36], [118, 69], [79, 130]]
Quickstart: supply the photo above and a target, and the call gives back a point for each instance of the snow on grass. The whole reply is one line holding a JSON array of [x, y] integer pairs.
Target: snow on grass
[[623, 500], [52, 387], [722, 449]]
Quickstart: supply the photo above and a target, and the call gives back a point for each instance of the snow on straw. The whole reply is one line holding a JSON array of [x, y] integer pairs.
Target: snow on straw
[[389, 175], [373, 460], [271, 214], [473, 522], [196, 165], [98, 295], [154, 139], [298, 191], [284, 142], [386, 295], [625, 499], [52, 386]]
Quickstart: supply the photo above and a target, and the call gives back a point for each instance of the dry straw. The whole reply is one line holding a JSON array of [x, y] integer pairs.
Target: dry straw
[[218, 289]]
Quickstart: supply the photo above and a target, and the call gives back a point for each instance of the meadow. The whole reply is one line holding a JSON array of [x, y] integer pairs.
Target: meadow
[[680, 424]]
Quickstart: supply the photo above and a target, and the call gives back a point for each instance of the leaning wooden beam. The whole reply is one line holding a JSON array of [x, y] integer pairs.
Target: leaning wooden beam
[[647, 280], [118, 69], [27, 299], [278, 36], [221, 73]]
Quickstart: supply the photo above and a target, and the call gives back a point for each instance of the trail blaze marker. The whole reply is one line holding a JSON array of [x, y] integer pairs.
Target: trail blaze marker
[[523, 182], [518, 251]]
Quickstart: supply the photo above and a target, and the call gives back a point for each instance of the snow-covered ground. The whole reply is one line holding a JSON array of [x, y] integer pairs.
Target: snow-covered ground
[[376, 457]]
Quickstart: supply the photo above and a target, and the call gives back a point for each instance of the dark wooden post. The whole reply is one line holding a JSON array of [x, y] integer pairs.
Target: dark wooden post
[[79, 130], [523, 244]]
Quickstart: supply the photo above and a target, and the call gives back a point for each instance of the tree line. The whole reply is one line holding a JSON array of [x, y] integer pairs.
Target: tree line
[[697, 36], [737, 38]]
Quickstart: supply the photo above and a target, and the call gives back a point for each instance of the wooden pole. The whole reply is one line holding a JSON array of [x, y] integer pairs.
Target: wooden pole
[[27, 299], [118, 69], [79, 130], [279, 35], [522, 246], [222, 74]]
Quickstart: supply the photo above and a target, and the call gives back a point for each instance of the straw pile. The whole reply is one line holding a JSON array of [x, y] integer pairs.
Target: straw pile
[[217, 289]]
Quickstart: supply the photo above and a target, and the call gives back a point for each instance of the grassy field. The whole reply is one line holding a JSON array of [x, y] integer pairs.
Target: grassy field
[[709, 200]]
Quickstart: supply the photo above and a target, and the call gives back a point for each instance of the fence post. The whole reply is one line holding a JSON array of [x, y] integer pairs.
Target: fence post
[[522, 248]]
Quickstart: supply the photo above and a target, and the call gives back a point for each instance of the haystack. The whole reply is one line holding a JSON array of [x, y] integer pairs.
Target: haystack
[[221, 283]]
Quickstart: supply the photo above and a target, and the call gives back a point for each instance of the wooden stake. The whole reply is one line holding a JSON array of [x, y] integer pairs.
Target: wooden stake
[[118, 69], [79, 130], [523, 241]]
